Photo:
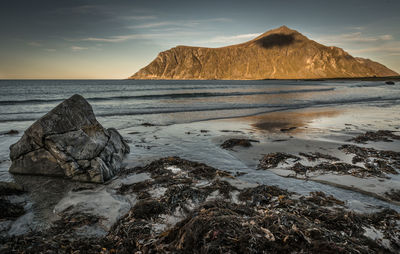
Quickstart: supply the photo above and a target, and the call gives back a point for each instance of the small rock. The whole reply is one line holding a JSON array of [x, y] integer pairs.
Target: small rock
[[288, 129], [230, 143], [147, 124], [12, 132]]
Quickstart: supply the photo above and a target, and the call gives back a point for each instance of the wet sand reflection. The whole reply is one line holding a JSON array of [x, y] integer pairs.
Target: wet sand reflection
[[289, 121]]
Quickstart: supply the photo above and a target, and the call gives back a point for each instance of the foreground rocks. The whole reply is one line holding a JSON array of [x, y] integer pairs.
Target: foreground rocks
[[68, 141], [189, 207]]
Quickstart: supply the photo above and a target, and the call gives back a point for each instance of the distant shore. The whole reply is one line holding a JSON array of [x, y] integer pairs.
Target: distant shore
[[388, 78]]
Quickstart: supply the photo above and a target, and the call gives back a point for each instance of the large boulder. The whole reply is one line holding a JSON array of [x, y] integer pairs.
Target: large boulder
[[68, 141]]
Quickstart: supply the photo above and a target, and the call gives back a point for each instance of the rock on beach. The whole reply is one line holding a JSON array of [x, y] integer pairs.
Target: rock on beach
[[69, 141]]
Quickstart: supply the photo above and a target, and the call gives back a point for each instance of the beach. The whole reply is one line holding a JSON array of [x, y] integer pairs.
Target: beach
[[313, 121]]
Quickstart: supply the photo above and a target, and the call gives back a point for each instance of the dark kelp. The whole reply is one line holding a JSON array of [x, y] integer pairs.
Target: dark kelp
[[262, 219], [272, 160], [230, 143], [381, 135]]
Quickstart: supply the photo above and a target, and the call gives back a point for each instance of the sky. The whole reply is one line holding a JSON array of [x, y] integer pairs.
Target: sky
[[112, 39]]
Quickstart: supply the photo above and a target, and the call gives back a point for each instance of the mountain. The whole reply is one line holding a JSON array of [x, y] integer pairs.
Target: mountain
[[281, 53]]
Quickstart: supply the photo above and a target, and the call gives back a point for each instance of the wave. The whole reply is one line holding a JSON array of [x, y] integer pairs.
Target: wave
[[370, 85], [167, 96], [270, 107]]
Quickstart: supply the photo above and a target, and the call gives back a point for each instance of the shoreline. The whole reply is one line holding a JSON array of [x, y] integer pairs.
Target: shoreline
[[385, 78]]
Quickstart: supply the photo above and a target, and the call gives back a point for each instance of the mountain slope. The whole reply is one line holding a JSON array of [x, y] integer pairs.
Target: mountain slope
[[281, 53]]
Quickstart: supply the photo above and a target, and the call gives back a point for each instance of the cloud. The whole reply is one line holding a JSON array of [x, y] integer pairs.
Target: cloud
[[353, 37], [77, 48], [383, 48], [144, 17], [122, 38], [231, 39], [356, 27], [34, 44], [119, 38], [388, 48], [386, 37], [50, 50], [151, 25], [179, 23]]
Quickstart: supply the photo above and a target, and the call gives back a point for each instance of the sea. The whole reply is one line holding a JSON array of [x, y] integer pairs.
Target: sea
[[126, 103], [159, 118]]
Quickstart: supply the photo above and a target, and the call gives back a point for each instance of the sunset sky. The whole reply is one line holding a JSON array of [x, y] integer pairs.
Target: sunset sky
[[85, 39]]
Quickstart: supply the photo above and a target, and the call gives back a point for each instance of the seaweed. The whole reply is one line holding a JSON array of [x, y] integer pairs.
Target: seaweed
[[382, 161], [147, 209], [195, 170], [230, 143], [393, 194], [338, 167], [380, 135], [9, 210], [10, 188], [264, 219], [320, 198], [262, 195], [272, 160], [317, 155]]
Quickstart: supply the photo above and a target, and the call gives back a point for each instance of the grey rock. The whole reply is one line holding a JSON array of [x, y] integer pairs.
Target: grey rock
[[68, 141]]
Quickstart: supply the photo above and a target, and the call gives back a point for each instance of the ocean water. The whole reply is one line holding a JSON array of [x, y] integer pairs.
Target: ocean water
[[126, 103], [179, 110]]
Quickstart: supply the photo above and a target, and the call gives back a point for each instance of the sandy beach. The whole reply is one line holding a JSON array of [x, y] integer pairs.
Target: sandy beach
[[310, 137]]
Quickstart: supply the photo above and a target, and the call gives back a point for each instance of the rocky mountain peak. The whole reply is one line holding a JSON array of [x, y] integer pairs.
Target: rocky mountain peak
[[280, 53]]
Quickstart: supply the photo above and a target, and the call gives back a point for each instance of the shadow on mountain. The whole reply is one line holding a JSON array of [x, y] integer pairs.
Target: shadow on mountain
[[276, 40]]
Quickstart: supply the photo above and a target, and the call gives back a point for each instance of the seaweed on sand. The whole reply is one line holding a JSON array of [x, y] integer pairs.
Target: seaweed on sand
[[338, 167], [262, 195], [380, 135], [393, 194], [9, 210], [9, 188], [272, 160], [230, 143], [195, 170], [147, 209], [320, 198], [317, 155], [264, 219], [222, 227], [374, 160]]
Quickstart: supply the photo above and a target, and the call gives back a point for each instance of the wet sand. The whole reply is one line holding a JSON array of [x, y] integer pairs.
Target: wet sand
[[324, 130], [321, 130]]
